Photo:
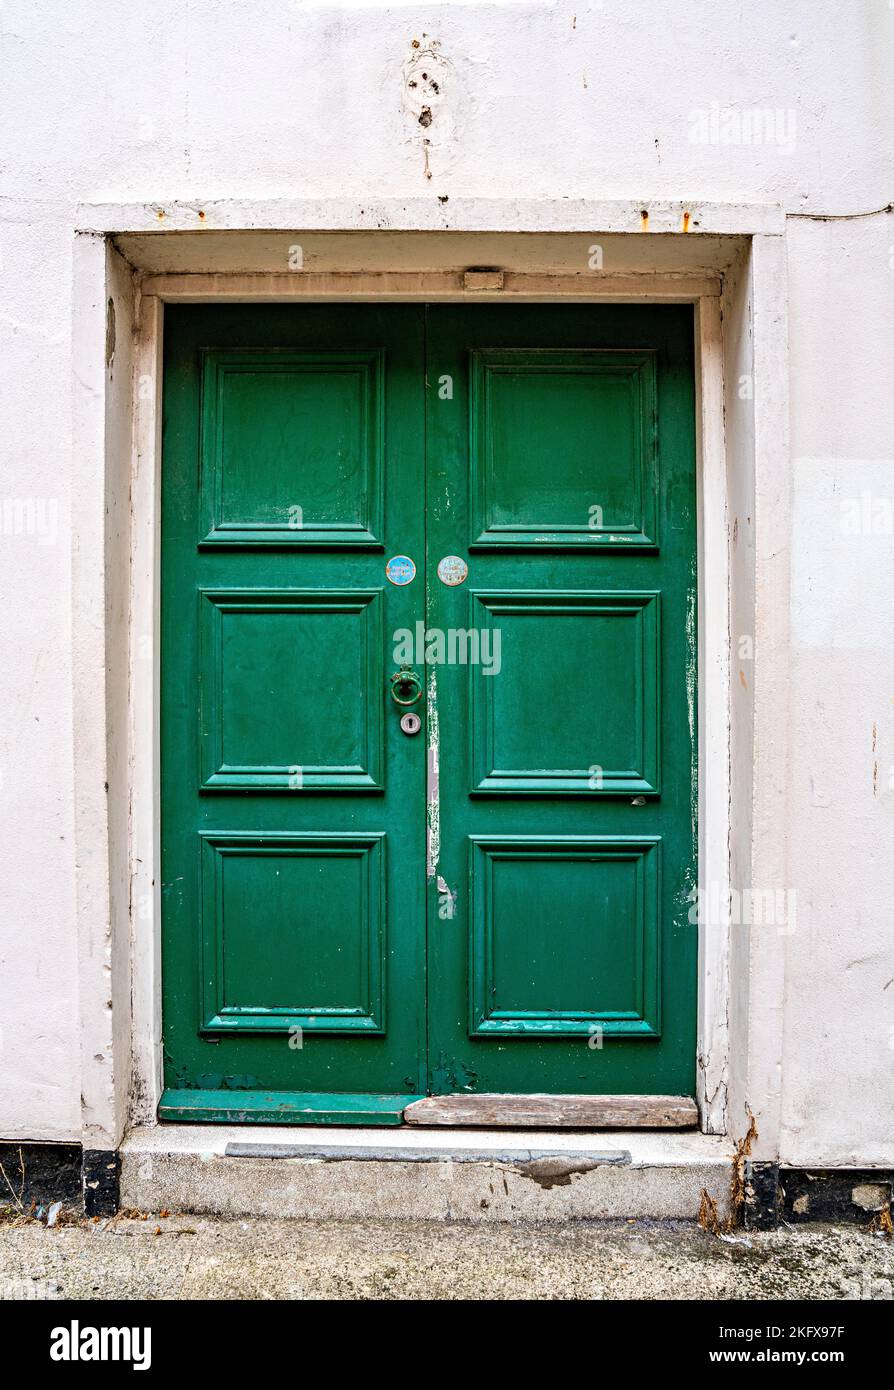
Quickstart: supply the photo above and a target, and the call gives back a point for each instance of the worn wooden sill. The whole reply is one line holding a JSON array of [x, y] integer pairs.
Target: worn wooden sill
[[555, 1112]]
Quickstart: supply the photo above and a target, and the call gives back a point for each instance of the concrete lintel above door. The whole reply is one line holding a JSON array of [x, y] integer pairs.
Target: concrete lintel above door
[[695, 218], [309, 262]]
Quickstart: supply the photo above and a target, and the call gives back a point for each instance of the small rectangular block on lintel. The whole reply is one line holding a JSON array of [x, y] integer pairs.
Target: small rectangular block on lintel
[[483, 279]]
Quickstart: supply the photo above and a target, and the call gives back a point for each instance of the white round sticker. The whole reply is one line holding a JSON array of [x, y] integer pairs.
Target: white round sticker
[[400, 569], [452, 570]]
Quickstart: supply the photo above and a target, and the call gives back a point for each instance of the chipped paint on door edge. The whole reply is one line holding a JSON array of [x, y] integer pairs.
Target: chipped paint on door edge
[[432, 791]]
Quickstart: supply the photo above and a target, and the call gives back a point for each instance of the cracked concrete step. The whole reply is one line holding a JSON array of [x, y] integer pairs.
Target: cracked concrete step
[[411, 1174]]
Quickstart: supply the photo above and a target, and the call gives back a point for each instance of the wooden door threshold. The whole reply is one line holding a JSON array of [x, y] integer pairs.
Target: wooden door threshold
[[554, 1112]]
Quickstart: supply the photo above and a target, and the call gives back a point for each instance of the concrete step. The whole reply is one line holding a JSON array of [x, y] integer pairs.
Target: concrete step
[[408, 1173]]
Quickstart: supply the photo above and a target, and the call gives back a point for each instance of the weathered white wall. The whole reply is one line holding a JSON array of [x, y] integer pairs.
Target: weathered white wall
[[838, 1074], [204, 100]]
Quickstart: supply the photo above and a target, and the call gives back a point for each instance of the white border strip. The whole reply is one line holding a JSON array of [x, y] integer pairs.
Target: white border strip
[[695, 218], [145, 702], [713, 716]]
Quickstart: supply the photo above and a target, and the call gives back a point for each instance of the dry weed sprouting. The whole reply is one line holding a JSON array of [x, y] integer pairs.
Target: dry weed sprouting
[[708, 1215], [882, 1224]]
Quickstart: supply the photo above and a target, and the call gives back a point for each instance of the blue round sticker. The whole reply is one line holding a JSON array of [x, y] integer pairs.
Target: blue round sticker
[[400, 569]]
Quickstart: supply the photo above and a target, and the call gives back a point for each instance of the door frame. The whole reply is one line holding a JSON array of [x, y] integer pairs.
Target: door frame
[[738, 294]]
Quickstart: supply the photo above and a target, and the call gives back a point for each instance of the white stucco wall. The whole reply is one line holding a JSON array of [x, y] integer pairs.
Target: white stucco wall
[[208, 100]]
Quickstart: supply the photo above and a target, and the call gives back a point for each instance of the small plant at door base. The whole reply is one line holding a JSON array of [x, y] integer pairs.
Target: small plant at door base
[[708, 1214], [19, 1212], [882, 1224], [17, 1196], [708, 1217]]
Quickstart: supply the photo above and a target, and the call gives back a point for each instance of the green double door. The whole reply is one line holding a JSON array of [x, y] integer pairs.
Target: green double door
[[496, 505]]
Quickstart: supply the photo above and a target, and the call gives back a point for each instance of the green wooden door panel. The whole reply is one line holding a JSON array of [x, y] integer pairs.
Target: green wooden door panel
[[563, 449], [563, 652], [561, 469], [564, 935], [293, 868], [266, 718], [323, 961], [317, 478], [269, 887]]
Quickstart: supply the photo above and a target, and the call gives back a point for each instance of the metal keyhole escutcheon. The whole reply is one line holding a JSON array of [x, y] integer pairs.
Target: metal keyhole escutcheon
[[410, 723]]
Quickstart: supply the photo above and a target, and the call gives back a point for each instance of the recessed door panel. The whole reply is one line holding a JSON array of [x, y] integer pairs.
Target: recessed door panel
[[292, 447], [563, 450], [290, 688], [564, 936], [570, 702], [293, 933]]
